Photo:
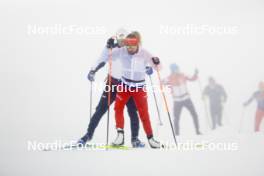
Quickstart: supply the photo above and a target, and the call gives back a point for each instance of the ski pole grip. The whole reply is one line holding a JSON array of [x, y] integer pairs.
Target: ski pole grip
[[155, 60]]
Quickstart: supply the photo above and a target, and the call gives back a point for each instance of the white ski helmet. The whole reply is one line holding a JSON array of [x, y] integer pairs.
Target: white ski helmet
[[121, 34]]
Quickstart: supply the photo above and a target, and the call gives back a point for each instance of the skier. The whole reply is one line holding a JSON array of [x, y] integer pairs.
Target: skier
[[259, 97], [102, 107], [181, 97], [134, 60], [217, 96]]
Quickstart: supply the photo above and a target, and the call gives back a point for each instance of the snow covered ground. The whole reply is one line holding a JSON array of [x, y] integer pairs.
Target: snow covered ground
[[246, 160]]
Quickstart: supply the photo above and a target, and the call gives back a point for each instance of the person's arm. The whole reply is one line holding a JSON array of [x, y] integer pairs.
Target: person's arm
[[104, 57], [194, 77], [101, 61], [250, 99], [152, 61]]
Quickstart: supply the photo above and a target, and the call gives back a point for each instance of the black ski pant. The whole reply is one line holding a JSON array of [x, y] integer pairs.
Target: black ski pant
[[216, 112]]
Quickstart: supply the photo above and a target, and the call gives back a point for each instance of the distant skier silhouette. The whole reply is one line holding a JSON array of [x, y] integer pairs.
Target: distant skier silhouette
[[217, 96], [177, 81], [259, 97]]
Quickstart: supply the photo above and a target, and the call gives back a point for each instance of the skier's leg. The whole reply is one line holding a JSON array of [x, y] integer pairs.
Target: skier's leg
[[262, 116], [140, 98], [189, 105], [177, 108], [213, 116], [121, 100], [219, 115], [100, 111], [94, 121], [134, 121], [259, 115]]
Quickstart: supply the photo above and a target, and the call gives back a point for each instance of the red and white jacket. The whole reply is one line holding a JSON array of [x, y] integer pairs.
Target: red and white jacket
[[178, 84]]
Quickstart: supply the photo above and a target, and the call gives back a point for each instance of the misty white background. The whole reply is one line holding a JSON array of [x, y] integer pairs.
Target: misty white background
[[44, 93]]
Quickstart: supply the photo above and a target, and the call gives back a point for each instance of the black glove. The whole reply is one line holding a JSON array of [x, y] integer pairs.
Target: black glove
[[91, 75], [155, 60], [110, 43]]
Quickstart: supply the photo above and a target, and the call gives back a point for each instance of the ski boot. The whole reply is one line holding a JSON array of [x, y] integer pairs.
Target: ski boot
[[136, 143], [86, 138], [198, 133], [154, 144], [120, 139]]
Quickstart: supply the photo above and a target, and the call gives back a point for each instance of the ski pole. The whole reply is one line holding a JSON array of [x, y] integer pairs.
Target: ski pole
[[166, 106], [91, 99], [155, 98], [241, 120], [109, 93]]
